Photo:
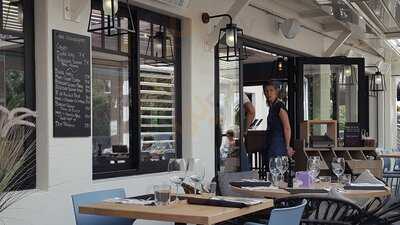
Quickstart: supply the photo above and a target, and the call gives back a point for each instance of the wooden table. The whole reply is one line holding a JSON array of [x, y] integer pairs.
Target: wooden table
[[390, 155], [180, 212], [282, 193]]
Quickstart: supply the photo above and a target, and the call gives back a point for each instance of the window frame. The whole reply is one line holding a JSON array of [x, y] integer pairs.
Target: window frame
[[138, 166], [28, 36]]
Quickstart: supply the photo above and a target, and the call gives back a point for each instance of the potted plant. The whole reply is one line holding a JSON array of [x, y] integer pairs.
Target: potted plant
[[17, 152]]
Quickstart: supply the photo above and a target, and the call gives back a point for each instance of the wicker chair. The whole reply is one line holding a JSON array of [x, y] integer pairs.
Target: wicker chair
[[321, 210]]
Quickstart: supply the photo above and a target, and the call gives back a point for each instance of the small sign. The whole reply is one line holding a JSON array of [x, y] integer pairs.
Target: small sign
[[352, 135]]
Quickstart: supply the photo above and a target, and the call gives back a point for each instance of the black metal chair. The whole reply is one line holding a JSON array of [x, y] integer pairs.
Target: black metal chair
[[321, 210], [392, 179], [386, 214]]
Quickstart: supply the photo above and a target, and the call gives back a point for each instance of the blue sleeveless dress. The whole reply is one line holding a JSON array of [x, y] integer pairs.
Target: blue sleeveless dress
[[275, 139]]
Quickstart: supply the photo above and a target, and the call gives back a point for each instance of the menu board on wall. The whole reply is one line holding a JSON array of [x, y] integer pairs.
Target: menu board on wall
[[71, 85]]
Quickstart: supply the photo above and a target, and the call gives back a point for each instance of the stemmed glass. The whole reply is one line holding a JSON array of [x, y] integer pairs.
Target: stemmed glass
[[179, 167], [275, 168], [314, 166], [196, 172], [285, 164], [338, 166]]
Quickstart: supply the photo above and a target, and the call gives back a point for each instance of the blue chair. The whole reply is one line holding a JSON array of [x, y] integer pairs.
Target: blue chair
[[286, 216], [95, 197]]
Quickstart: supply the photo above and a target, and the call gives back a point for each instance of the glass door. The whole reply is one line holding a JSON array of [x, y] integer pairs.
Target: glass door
[[228, 115], [332, 89]]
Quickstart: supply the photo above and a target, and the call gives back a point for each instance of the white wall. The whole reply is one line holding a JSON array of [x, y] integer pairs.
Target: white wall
[[65, 164]]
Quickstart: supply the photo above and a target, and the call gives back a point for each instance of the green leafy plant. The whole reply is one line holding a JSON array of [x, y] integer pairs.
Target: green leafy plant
[[17, 152]]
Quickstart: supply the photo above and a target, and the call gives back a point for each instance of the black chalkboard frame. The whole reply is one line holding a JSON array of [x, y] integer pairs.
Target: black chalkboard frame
[[80, 131]]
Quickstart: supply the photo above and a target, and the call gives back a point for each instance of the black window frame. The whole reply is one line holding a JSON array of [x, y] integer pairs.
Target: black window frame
[[138, 166], [28, 35]]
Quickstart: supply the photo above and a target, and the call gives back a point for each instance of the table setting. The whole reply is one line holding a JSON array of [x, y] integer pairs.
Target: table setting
[[309, 182]]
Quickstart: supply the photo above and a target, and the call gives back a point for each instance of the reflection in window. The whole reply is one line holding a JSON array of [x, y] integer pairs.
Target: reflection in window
[[110, 112], [229, 115], [331, 93], [157, 95]]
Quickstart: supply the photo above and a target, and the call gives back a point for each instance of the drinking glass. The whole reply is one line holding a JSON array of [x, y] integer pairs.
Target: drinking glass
[[268, 176], [196, 172], [285, 164], [213, 189], [179, 167], [338, 166], [275, 168], [314, 166], [346, 179], [162, 194]]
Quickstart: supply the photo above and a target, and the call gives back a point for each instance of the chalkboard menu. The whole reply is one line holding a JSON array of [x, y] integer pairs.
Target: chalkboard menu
[[71, 85]]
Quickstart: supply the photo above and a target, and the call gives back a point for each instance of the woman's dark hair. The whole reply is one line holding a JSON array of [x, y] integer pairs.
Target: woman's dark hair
[[230, 133], [271, 83]]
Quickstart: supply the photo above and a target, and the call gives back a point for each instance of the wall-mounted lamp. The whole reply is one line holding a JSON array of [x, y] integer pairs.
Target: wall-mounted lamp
[[377, 81], [105, 18], [229, 49]]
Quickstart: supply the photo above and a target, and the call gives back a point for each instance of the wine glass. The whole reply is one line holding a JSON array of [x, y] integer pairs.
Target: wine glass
[[338, 166], [196, 172], [275, 168], [314, 166], [285, 163], [179, 167]]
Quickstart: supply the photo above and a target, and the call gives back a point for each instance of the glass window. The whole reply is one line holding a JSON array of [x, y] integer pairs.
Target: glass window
[[331, 93], [134, 102], [17, 72], [157, 92]]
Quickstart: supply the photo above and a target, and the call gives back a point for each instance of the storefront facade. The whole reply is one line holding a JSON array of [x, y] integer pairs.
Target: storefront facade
[[65, 165]]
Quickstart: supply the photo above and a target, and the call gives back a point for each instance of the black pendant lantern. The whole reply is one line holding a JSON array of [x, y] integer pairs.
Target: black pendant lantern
[[159, 50], [377, 82], [228, 46], [346, 76], [105, 18]]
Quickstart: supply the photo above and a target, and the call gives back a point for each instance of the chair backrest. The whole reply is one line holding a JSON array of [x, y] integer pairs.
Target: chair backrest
[[224, 179], [287, 216], [94, 197], [323, 209]]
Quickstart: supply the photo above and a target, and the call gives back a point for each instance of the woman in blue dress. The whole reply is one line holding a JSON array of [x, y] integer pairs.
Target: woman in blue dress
[[278, 132]]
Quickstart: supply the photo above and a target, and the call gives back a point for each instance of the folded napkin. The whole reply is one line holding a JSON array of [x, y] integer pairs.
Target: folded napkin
[[260, 188], [366, 181], [132, 201], [367, 177], [250, 183]]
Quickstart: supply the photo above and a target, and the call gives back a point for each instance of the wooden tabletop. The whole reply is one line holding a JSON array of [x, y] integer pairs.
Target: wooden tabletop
[[282, 193], [390, 155], [180, 212]]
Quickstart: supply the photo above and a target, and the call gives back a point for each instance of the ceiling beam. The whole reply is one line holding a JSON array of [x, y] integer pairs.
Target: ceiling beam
[[334, 26], [337, 43], [234, 11], [312, 13]]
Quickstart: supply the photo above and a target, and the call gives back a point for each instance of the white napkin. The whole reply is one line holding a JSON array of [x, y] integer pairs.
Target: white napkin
[[129, 201], [260, 188], [366, 178]]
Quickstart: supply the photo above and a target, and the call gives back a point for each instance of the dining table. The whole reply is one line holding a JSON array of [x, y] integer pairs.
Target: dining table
[[395, 155], [276, 192], [180, 212]]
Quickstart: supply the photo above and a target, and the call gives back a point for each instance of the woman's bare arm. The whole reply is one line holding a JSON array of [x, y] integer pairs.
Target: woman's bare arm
[[287, 131]]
